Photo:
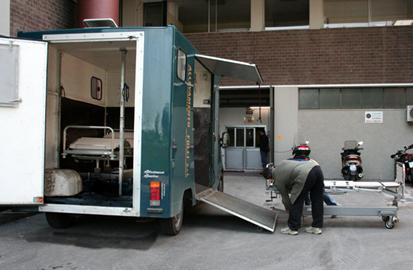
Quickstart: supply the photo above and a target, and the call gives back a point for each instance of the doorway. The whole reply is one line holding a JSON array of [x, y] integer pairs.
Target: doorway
[[244, 111], [242, 152]]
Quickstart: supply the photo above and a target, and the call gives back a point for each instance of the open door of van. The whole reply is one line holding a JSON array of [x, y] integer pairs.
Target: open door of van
[[23, 71]]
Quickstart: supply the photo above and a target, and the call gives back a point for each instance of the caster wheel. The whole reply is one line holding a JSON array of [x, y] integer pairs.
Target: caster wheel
[[390, 222]]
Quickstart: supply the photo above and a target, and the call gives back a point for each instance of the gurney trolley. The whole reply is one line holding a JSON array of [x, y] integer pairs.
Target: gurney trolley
[[95, 148], [336, 187]]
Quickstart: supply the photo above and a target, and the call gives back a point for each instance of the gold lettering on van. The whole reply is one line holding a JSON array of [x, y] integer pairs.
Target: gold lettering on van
[[188, 106]]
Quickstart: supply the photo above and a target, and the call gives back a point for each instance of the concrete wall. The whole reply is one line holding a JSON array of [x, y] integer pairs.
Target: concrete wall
[[328, 129], [285, 122], [316, 14], [257, 15], [326, 56], [172, 16], [5, 17]]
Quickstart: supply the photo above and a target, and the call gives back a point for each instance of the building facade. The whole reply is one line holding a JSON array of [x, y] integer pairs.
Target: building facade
[[325, 64]]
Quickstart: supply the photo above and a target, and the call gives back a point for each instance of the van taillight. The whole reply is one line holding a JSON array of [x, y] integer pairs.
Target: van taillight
[[155, 193]]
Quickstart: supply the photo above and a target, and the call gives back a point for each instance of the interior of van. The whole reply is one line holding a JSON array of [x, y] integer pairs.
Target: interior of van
[[86, 117]]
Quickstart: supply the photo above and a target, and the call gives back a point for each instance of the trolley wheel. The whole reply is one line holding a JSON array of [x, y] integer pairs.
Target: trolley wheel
[[172, 226], [59, 220], [389, 222]]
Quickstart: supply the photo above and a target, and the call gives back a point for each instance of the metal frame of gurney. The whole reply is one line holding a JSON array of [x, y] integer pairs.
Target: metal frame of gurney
[[336, 187], [95, 148]]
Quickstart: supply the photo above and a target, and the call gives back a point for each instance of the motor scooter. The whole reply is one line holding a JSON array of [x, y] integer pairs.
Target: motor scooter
[[351, 160], [406, 158]]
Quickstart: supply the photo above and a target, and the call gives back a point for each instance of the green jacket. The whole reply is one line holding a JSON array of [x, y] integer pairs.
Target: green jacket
[[289, 178]]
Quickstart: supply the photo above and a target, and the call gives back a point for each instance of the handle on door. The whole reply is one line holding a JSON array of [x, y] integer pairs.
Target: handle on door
[[174, 149]]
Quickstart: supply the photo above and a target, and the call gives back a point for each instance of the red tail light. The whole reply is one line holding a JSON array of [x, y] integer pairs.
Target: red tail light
[[155, 193]]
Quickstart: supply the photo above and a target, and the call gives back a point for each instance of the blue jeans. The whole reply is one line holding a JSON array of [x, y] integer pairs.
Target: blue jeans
[[264, 158], [327, 198]]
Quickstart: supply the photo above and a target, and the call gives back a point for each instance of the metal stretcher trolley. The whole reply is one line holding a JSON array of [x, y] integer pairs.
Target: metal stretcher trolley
[[96, 148], [387, 213]]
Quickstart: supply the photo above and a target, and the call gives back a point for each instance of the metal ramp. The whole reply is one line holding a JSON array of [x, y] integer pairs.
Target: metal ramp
[[247, 211]]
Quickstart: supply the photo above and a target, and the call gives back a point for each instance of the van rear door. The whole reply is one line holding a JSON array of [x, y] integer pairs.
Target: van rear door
[[23, 70]]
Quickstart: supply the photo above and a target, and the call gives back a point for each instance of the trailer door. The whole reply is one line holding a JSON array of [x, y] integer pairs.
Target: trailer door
[[23, 69]]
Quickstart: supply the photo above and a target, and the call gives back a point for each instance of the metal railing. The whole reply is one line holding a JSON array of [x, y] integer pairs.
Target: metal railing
[[112, 155]]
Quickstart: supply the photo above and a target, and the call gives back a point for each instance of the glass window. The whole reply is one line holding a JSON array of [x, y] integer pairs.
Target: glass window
[[372, 98], [192, 15], [181, 65], [231, 15], [231, 136], [9, 55], [350, 98], [96, 88], [240, 137], [394, 98], [154, 14], [309, 99], [286, 13], [355, 98], [329, 98], [385, 10], [249, 137], [210, 16], [345, 11], [409, 96]]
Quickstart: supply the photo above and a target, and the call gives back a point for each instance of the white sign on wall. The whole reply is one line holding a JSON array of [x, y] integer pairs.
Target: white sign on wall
[[373, 117]]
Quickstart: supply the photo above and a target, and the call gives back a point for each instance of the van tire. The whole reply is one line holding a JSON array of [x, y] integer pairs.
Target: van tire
[[172, 226], [60, 221]]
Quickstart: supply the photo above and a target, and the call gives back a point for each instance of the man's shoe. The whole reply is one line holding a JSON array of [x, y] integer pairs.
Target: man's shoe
[[314, 230], [289, 231]]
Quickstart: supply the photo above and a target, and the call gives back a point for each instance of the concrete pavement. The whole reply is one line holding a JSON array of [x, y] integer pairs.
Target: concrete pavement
[[210, 239]]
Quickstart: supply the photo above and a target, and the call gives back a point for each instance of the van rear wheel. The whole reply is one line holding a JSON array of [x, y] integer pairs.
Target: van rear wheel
[[60, 221], [172, 226]]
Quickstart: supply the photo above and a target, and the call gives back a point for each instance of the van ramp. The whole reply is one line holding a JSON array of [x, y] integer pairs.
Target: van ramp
[[250, 212]]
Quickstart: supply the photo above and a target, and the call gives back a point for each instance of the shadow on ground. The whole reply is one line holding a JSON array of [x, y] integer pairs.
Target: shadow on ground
[[205, 216], [7, 216], [100, 232], [97, 232]]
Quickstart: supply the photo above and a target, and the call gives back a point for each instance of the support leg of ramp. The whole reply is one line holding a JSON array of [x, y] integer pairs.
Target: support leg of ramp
[[247, 211]]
